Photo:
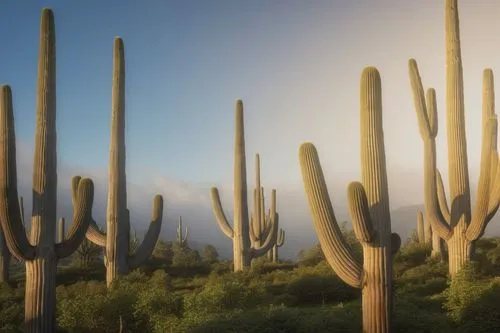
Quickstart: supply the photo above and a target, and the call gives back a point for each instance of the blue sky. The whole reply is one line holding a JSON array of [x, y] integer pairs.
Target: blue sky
[[296, 64]]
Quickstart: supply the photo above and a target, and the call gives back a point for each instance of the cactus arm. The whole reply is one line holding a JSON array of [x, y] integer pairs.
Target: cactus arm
[[149, 242], [81, 219], [10, 215], [60, 230], [443, 203], [95, 235], [480, 215], [359, 212], [420, 228], [253, 236], [281, 238], [269, 242], [426, 111], [338, 254], [219, 213]]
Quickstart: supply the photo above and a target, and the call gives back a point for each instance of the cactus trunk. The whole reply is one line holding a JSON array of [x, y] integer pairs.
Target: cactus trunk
[[368, 208], [116, 240], [4, 259]]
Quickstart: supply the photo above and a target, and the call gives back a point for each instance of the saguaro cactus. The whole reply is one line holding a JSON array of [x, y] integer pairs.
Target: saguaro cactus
[[243, 250], [181, 239], [280, 241], [41, 252], [457, 226], [369, 211], [117, 238], [4, 259], [420, 228], [61, 233]]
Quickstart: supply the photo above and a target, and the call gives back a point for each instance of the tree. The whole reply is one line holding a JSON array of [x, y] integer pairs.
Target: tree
[[209, 254]]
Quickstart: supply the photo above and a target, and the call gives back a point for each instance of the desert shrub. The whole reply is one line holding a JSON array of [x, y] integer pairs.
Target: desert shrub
[[11, 308], [318, 289]]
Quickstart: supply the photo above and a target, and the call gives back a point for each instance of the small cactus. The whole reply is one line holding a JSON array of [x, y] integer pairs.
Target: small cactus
[[420, 228], [61, 234], [181, 239], [369, 211]]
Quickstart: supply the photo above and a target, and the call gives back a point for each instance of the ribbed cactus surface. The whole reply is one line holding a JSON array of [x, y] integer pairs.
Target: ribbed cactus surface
[[116, 240], [243, 250], [181, 236], [457, 225], [41, 252], [369, 210]]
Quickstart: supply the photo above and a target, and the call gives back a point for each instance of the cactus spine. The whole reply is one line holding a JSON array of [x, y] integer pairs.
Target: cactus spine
[[280, 241], [243, 250], [458, 227], [116, 240], [369, 211], [41, 252], [181, 239]]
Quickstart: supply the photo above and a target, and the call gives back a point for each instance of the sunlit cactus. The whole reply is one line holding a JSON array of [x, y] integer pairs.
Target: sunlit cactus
[[243, 250], [116, 240], [61, 233], [369, 210], [181, 238], [457, 225], [41, 252]]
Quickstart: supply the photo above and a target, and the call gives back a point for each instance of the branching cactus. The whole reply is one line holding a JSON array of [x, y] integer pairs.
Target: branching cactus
[[40, 252], [260, 223], [369, 211], [456, 225], [243, 250], [181, 239], [420, 228], [280, 241], [116, 240]]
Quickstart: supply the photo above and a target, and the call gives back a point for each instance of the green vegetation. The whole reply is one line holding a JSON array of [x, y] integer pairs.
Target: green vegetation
[[201, 294]]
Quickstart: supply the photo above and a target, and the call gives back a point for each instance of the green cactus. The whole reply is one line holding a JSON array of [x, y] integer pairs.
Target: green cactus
[[243, 250], [40, 253], [280, 241], [457, 226], [369, 211], [181, 239], [116, 240]]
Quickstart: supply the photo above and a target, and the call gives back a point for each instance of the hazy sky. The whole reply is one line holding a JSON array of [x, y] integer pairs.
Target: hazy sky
[[295, 64]]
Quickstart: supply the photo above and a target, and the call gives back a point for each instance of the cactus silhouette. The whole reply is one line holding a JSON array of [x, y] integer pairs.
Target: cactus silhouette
[[243, 250], [457, 226], [116, 240], [369, 211], [41, 252], [181, 239]]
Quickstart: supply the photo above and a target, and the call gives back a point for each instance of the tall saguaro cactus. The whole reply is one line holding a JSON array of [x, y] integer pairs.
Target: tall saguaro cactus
[[243, 250], [457, 226], [369, 211], [4, 259], [41, 252], [116, 240], [181, 239]]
